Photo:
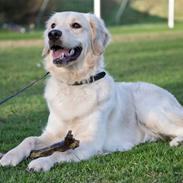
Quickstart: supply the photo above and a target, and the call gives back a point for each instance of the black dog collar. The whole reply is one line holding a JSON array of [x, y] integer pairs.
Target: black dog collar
[[91, 79]]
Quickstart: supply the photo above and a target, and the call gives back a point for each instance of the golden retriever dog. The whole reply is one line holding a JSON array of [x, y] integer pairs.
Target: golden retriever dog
[[104, 115]]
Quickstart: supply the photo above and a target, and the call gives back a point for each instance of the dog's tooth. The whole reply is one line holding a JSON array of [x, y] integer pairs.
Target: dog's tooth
[[62, 55], [71, 52]]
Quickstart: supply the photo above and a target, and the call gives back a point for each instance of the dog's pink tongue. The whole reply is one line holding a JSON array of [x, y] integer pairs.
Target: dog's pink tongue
[[56, 54], [60, 53]]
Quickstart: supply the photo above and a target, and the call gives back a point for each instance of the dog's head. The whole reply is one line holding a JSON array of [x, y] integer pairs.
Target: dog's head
[[70, 37]]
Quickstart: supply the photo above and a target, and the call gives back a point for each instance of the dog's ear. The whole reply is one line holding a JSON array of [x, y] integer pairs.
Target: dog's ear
[[99, 35]]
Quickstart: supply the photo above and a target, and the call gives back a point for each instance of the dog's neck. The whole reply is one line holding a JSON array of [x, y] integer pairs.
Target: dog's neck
[[91, 79], [91, 66]]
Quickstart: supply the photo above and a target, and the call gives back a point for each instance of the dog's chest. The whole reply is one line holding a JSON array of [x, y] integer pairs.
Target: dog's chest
[[71, 102]]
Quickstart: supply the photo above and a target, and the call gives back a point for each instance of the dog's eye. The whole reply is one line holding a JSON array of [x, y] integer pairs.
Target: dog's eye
[[76, 26], [53, 25]]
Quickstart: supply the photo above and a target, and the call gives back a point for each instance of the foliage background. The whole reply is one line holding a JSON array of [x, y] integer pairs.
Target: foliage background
[[137, 11]]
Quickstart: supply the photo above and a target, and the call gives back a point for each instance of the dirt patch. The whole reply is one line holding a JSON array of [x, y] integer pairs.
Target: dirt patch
[[146, 36], [20, 43], [115, 38]]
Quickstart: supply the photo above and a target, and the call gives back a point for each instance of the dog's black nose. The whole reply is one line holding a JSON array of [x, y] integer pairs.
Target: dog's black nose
[[54, 35]]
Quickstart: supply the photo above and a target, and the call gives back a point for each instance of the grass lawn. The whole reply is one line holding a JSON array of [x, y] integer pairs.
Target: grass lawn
[[159, 61], [4, 35]]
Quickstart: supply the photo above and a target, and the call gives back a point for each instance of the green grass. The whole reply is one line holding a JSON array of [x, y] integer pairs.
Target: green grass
[[156, 61], [5, 35], [145, 28]]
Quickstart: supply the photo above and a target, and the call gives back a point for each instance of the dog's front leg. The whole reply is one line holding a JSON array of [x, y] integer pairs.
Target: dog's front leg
[[46, 163], [22, 151]]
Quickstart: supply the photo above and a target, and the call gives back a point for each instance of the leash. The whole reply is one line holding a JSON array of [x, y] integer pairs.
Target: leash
[[90, 80], [22, 89]]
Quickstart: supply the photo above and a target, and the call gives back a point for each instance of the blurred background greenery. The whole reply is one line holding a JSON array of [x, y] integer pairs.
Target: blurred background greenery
[[33, 13]]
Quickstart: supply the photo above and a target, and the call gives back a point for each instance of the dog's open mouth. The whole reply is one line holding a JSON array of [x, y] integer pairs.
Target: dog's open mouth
[[63, 56]]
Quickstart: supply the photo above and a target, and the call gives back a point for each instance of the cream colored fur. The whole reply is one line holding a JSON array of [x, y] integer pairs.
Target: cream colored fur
[[105, 116]]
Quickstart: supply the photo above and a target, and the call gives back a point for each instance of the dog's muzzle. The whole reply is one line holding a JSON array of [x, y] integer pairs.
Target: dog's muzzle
[[62, 55]]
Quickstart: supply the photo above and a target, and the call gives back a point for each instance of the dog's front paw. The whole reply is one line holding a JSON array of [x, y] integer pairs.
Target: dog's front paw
[[41, 164], [11, 158]]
